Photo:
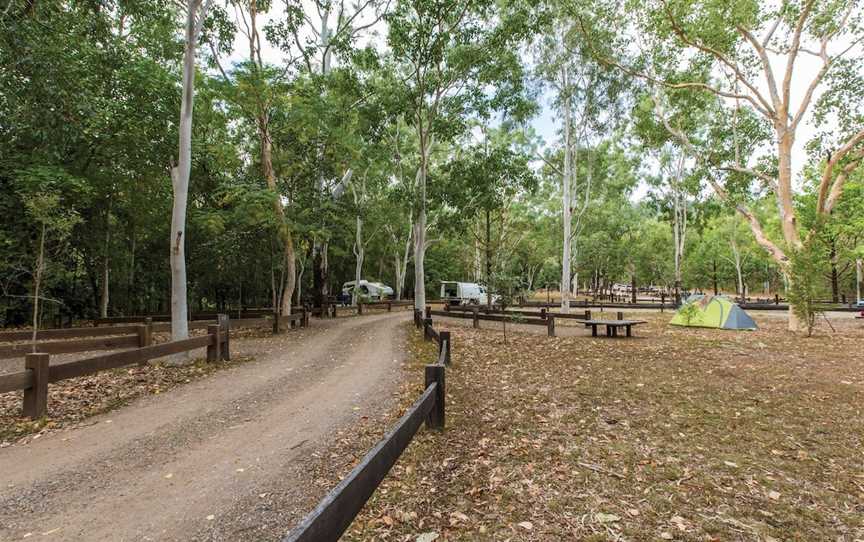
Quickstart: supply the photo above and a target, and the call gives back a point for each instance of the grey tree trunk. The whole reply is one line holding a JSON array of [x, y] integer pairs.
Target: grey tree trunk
[[360, 254], [103, 302], [180, 175], [566, 198], [37, 284]]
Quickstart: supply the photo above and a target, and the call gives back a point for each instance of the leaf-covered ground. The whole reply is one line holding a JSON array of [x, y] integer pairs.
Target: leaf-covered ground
[[679, 434], [71, 402]]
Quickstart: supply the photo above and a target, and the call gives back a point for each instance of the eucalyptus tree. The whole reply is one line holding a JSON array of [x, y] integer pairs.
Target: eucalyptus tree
[[91, 91], [841, 236], [456, 58], [674, 190], [312, 38], [196, 13], [486, 179], [49, 197], [745, 61], [587, 97]]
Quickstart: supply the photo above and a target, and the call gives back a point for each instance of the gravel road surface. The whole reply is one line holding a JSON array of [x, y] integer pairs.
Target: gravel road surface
[[223, 458]]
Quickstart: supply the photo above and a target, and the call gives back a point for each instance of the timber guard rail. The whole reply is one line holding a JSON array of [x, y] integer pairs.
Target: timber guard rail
[[334, 514]]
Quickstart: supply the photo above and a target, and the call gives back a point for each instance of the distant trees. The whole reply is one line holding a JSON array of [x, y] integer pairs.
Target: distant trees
[[723, 88], [404, 155]]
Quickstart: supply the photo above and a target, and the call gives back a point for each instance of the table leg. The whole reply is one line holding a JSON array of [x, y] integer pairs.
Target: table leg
[[629, 332], [614, 331], [608, 331], [594, 330]]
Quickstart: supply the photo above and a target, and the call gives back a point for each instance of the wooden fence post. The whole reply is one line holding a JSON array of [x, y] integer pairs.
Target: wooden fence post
[[550, 326], [428, 311], [144, 334], [213, 350], [543, 313], [389, 306], [225, 325], [445, 344], [476, 315], [36, 397], [435, 373], [427, 327], [587, 315], [662, 300], [359, 308]]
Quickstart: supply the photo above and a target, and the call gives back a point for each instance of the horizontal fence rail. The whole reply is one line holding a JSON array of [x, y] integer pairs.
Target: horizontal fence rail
[[531, 314], [15, 381], [115, 360], [476, 316], [39, 372], [333, 309], [66, 333], [68, 347], [334, 514], [337, 510]]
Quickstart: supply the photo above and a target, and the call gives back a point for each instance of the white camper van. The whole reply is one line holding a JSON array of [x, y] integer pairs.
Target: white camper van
[[372, 291], [464, 293]]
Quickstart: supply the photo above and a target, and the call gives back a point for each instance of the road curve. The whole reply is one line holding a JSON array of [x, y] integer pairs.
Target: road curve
[[218, 459]]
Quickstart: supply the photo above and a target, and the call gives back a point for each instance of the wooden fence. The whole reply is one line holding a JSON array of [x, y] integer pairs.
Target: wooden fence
[[477, 316], [112, 338], [333, 310], [337, 510], [39, 373], [544, 311], [250, 318]]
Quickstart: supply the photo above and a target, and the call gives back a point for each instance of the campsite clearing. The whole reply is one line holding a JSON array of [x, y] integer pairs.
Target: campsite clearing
[[683, 433]]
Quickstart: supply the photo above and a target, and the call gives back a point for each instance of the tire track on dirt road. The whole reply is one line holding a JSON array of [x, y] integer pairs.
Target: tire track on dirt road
[[171, 465]]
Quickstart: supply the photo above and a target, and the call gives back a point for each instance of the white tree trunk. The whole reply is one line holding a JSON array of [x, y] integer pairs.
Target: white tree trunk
[[859, 277], [103, 302], [736, 254], [37, 284], [401, 263], [566, 200], [180, 176], [420, 224], [360, 254], [299, 291], [419, 257]]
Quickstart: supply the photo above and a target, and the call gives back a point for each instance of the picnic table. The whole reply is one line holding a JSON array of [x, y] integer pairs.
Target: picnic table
[[612, 326]]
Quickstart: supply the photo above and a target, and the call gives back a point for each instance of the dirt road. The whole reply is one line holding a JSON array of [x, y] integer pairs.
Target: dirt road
[[219, 459]]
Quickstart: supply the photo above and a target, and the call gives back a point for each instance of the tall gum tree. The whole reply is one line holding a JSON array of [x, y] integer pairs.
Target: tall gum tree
[[457, 58], [313, 37], [749, 57], [195, 15], [586, 94]]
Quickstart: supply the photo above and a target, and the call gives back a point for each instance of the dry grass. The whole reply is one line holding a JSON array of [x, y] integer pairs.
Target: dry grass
[[680, 434]]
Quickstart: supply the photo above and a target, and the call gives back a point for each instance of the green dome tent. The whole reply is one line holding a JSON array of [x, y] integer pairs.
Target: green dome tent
[[712, 311]]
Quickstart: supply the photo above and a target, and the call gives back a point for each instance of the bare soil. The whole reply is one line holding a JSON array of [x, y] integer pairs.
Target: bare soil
[[677, 434], [239, 455]]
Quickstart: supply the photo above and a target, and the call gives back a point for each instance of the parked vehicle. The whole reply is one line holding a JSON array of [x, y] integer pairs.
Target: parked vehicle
[[465, 293], [368, 291]]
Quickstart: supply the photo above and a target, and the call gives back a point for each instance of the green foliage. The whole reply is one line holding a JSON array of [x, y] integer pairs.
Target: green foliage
[[805, 288]]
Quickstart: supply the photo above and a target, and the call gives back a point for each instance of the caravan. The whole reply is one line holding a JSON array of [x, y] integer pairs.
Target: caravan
[[368, 291], [464, 293]]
